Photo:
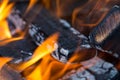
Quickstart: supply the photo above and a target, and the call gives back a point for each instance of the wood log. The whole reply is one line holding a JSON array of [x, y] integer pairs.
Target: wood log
[[8, 73], [105, 36]]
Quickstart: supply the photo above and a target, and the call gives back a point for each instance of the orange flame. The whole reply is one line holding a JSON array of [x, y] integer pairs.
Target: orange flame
[[50, 69], [4, 60], [47, 66], [36, 74], [44, 49], [5, 9], [91, 13], [31, 4]]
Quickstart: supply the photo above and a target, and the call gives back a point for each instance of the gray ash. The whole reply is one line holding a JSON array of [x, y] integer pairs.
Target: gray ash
[[100, 70]]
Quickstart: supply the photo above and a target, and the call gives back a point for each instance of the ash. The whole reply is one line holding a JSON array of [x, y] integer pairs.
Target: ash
[[94, 69]]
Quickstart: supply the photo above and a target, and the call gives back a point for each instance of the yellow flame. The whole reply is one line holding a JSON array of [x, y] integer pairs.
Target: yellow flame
[[5, 9], [50, 69], [35, 75], [4, 30], [4, 60], [48, 46]]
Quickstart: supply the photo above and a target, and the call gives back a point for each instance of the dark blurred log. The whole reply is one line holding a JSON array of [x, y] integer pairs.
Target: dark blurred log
[[8, 73], [61, 9], [106, 35], [87, 17]]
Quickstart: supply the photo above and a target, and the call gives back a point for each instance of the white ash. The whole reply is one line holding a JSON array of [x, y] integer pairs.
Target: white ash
[[64, 51], [86, 46], [37, 36], [98, 70], [67, 25], [17, 61], [78, 33], [82, 36], [27, 53], [116, 55], [57, 55], [25, 56], [64, 22]]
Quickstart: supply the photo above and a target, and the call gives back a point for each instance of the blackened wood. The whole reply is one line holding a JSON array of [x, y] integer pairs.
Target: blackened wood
[[19, 0], [88, 16], [106, 35], [18, 49], [50, 25], [47, 24]]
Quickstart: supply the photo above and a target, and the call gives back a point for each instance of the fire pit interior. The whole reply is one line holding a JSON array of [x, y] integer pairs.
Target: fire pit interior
[[59, 40]]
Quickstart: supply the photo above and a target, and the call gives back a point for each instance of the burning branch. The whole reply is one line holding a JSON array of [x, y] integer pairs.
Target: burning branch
[[47, 47]]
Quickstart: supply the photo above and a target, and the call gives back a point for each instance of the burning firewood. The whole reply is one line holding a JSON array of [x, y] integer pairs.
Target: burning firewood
[[69, 38], [72, 48], [106, 35]]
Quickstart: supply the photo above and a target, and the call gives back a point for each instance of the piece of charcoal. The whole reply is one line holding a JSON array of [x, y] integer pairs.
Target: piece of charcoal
[[20, 50], [69, 40], [105, 36]]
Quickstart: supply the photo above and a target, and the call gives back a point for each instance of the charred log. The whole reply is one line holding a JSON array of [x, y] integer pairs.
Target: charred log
[[105, 36]]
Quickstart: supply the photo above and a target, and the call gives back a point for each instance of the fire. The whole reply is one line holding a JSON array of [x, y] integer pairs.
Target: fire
[[5, 8], [4, 60], [50, 69], [47, 67], [44, 49], [91, 15], [42, 66], [31, 4]]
